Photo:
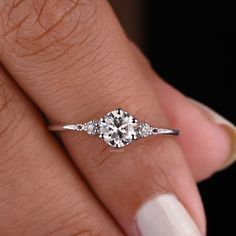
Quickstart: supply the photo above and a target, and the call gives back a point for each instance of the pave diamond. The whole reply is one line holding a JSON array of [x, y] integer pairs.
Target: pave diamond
[[118, 128]]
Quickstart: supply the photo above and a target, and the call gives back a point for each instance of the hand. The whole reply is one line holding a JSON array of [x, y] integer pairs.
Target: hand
[[71, 61]]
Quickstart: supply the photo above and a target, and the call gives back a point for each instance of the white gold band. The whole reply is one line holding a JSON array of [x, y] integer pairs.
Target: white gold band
[[118, 128], [76, 127]]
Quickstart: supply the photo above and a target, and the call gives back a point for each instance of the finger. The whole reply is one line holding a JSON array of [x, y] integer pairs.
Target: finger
[[208, 140], [77, 65], [41, 193]]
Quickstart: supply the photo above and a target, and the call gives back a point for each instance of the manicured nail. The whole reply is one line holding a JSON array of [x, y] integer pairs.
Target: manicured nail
[[165, 216], [229, 127]]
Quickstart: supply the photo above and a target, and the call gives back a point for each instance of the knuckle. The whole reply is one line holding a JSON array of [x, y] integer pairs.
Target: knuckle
[[33, 27]]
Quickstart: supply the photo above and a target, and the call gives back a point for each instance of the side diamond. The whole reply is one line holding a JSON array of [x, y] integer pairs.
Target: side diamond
[[91, 127], [144, 130]]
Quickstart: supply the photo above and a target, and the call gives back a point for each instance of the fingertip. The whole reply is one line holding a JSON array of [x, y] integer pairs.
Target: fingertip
[[207, 139], [229, 129]]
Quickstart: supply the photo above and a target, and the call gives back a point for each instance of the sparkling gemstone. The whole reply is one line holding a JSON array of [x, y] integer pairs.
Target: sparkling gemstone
[[144, 130], [155, 130], [79, 127], [118, 128], [91, 127]]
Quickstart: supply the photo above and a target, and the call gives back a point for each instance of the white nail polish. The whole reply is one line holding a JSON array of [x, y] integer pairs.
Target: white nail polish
[[165, 216], [218, 119]]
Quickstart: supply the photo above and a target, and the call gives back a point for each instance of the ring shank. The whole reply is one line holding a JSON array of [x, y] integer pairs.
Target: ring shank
[[73, 127], [63, 127], [162, 131]]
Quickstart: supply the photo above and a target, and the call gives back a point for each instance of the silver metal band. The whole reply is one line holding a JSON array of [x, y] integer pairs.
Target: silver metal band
[[81, 128], [117, 128], [63, 127]]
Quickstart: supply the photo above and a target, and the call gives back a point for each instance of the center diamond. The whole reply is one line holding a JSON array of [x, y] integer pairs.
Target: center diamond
[[118, 128]]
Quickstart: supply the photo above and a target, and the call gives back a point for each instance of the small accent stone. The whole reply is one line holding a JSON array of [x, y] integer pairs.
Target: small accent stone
[[155, 130], [144, 130], [80, 127], [91, 127]]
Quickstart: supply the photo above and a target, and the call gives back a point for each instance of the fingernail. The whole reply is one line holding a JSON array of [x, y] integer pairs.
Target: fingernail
[[165, 216], [229, 127]]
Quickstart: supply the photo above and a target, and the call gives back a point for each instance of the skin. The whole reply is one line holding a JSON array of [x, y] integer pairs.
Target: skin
[[71, 62]]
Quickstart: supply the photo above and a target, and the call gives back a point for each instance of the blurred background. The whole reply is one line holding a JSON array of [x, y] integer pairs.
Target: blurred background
[[195, 52]]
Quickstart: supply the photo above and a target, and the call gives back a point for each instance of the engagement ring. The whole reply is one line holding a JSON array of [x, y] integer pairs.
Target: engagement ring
[[118, 128]]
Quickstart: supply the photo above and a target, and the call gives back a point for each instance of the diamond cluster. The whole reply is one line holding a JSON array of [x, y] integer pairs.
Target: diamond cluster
[[118, 128]]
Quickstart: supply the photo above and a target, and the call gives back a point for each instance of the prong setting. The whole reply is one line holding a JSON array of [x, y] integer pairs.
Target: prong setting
[[118, 128]]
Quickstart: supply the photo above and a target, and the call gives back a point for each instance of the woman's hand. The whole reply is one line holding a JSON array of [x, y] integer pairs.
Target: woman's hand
[[72, 59]]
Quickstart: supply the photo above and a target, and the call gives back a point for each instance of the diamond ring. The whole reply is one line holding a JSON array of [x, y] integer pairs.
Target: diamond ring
[[117, 128]]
